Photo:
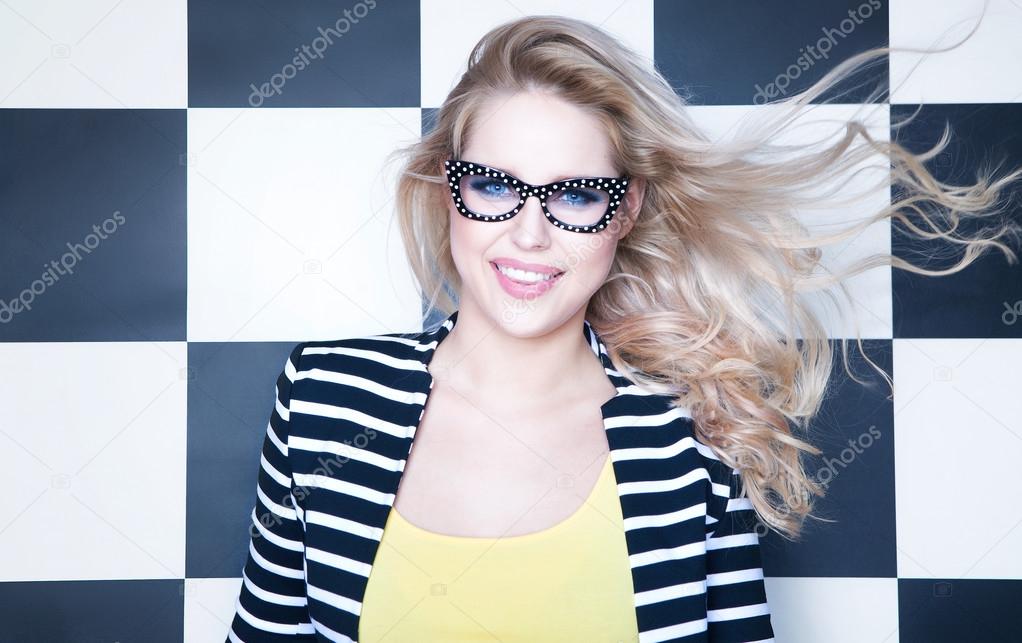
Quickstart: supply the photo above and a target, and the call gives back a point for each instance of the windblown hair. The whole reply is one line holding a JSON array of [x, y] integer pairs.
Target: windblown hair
[[706, 297]]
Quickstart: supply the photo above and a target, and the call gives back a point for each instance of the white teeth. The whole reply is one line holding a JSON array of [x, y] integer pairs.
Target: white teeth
[[524, 275]]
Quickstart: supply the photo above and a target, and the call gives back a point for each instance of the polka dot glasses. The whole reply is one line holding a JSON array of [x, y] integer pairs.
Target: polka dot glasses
[[584, 204]]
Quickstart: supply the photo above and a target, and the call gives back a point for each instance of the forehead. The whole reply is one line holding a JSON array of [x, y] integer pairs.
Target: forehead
[[539, 138]]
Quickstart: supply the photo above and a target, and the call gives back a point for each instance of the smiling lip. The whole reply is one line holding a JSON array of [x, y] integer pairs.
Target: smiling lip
[[521, 265], [522, 290]]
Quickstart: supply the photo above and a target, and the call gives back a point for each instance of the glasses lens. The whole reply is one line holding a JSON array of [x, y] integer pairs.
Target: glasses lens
[[578, 206], [572, 203], [487, 195]]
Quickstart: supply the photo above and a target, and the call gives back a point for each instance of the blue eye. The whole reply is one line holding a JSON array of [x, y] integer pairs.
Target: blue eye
[[576, 197], [490, 189]]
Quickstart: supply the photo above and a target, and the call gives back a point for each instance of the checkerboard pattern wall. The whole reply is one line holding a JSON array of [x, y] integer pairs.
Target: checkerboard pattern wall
[[188, 189]]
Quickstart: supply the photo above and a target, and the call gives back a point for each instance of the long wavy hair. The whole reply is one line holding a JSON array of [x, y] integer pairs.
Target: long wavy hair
[[707, 295]]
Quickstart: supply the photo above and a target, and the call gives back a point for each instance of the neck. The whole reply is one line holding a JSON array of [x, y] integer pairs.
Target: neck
[[488, 360]]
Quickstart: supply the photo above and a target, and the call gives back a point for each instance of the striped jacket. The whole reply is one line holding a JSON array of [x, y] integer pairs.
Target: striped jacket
[[336, 446]]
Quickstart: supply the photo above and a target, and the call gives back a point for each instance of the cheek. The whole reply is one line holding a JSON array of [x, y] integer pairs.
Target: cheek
[[591, 260], [470, 241]]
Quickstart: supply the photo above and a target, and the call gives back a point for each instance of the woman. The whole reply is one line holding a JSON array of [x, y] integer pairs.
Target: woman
[[566, 483]]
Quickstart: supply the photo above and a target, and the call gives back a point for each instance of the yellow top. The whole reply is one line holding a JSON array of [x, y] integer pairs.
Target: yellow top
[[569, 582]]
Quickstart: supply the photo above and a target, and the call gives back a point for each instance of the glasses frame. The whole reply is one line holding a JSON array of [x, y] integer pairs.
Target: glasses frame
[[614, 186]]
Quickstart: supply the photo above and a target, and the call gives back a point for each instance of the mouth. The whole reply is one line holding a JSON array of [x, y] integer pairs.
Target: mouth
[[528, 288], [526, 278]]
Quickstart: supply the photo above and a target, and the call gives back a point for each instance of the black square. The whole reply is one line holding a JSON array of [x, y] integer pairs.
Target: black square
[[308, 54], [748, 53]]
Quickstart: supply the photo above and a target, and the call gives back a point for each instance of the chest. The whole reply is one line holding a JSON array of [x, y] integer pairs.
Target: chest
[[489, 472]]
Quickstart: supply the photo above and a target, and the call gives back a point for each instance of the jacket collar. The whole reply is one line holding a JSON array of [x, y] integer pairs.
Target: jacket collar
[[428, 341]]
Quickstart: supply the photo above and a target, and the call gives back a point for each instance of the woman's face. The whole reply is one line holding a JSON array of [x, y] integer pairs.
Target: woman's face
[[538, 139]]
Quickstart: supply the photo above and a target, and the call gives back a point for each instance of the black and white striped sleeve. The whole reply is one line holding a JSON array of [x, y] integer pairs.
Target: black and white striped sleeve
[[273, 603], [736, 603]]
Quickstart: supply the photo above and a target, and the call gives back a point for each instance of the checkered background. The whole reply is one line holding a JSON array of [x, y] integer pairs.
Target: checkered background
[[189, 189]]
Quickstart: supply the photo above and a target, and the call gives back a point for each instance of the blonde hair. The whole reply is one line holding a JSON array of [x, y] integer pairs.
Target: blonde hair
[[706, 295]]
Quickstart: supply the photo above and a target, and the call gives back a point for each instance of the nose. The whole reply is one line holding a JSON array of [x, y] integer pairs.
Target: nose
[[530, 229]]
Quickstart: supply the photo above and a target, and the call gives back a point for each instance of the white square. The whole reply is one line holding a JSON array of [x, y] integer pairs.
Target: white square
[[836, 610], [93, 54], [984, 69], [291, 233], [94, 460], [210, 605], [957, 444]]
